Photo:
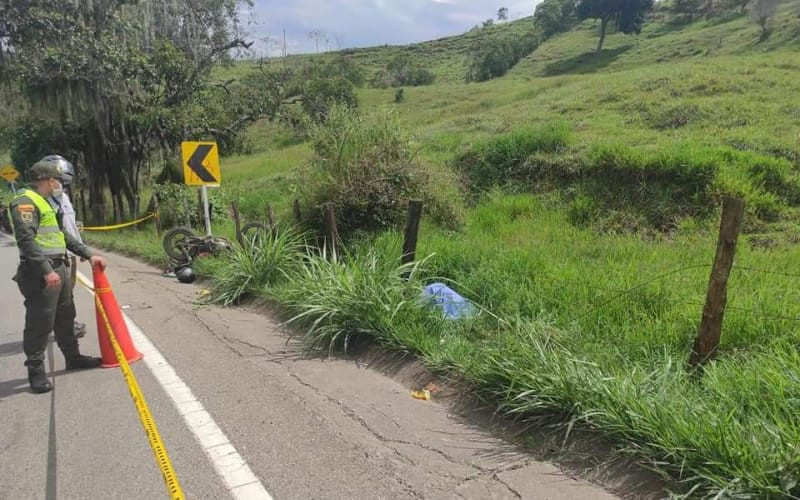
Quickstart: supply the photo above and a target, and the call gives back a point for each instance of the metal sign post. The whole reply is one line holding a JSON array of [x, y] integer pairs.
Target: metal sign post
[[206, 217]]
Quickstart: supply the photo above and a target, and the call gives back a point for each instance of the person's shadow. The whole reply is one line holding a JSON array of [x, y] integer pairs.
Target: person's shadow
[[9, 388], [10, 348]]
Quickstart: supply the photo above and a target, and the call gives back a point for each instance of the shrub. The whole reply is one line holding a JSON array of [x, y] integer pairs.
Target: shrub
[[492, 58], [403, 71], [367, 168], [175, 199], [320, 86], [320, 94]]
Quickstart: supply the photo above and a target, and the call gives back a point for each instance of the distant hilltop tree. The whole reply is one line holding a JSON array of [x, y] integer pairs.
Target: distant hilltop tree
[[554, 16], [761, 11], [628, 15]]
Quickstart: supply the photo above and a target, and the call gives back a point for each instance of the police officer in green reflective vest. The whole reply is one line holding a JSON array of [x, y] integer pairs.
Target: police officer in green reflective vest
[[43, 275]]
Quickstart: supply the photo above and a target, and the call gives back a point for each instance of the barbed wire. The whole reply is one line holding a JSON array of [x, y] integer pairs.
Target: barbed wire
[[765, 271], [637, 287]]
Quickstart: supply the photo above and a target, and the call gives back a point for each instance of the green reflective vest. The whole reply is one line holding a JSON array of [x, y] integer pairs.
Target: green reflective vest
[[49, 237]]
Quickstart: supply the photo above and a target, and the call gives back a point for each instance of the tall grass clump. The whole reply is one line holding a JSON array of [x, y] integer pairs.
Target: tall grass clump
[[491, 162], [731, 435], [368, 167], [361, 295], [263, 261]]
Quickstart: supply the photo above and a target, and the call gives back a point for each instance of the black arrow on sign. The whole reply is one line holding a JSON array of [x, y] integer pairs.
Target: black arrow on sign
[[196, 163]]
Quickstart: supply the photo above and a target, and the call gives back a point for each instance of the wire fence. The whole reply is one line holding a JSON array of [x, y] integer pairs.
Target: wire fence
[[621, 293]]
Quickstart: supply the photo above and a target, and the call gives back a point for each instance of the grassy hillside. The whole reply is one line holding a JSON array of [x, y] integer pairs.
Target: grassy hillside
[[581, 324], [704, 85], [446, 57]]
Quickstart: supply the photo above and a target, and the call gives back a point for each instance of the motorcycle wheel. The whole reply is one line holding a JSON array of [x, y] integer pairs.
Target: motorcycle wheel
[[175, 244]]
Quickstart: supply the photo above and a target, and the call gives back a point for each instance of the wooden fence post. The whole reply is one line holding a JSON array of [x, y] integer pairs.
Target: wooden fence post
[[187, 218], [270, 216], [412, 231], [710, 331], [237, 222], [331, 232], [298, 215], [157, 215]]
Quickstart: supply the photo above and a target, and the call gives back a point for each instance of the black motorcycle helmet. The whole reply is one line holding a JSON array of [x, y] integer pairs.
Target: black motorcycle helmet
[[186, 275]]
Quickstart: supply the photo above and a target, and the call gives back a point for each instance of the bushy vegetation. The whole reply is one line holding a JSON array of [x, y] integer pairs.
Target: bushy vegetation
[[179, 203], [624, 188], [493, 57], [401, 71], [367, 166], [554, 16], [321, 85]]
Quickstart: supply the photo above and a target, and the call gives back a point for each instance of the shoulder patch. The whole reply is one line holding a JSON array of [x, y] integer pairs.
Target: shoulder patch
[[26, 208], [26, 217]]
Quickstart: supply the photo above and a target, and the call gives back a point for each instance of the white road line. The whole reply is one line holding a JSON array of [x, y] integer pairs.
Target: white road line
[[231, 467]]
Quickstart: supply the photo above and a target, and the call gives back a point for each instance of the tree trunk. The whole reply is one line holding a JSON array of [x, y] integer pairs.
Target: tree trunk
[[97, 202], [603, 26]]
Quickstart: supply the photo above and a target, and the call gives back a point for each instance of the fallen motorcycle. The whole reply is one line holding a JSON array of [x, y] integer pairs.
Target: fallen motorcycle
[[183, 245]]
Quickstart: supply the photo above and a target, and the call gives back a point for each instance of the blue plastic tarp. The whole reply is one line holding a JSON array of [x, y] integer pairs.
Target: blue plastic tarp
[[453, 305]]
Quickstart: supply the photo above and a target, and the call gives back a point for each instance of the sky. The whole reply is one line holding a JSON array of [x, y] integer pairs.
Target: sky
[[364, 23]]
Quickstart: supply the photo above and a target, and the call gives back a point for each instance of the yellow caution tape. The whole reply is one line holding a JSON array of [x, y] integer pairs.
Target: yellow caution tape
[[120, 226], [164, 463]]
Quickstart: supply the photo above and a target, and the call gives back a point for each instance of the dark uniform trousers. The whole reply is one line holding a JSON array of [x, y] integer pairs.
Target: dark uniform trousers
[[46, 310]]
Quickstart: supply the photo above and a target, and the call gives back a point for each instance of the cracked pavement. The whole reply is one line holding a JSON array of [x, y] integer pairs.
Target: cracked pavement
[[313, 428]]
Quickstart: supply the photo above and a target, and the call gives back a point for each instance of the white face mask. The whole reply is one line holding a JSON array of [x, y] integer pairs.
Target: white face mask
[[58, 191]]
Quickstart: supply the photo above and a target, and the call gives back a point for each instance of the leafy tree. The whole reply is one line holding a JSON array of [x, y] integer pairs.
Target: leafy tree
[[554, 16], [403, 70], [761, 11], [502, 14], [488, 22], [628, 15], [112, 82]]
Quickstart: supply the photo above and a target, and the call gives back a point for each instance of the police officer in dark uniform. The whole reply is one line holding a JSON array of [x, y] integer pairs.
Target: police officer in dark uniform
[[43, 275]]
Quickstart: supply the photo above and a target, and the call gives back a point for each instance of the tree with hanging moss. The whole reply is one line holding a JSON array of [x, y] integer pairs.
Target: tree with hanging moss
[[627, 16], [117, 84]]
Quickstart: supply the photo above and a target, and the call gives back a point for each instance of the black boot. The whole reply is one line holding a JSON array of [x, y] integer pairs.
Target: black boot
[[38, 380], [81, 362]]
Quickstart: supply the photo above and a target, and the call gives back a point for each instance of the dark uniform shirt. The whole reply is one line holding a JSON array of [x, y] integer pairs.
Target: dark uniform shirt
[[26, 223]]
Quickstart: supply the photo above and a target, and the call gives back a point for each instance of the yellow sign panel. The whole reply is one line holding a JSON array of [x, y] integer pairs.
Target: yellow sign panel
[[201, 163], [9, 173]]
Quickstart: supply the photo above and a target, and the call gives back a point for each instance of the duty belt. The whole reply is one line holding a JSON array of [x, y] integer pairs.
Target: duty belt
[[54, 261]]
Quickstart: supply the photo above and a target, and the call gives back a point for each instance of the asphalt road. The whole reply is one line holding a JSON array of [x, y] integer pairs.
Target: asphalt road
[[308, 428]]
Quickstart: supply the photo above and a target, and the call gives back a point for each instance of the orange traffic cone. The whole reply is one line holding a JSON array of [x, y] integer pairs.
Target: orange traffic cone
[[114, 315]]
